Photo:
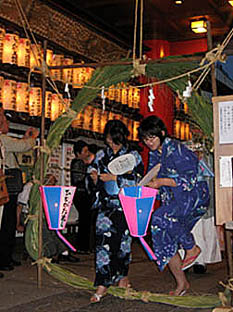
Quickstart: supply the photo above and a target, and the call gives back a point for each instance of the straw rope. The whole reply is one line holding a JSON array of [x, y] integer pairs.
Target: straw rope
[[44, 263], [211, 56]]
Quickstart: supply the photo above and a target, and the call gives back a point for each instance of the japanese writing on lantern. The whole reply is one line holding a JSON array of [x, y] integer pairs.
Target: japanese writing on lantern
[[65, 206]]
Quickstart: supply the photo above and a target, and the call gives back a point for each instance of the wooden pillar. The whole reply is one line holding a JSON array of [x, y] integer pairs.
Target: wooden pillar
[[210, 47]]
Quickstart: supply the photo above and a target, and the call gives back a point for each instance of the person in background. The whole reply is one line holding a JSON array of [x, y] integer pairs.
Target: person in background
[[205, 231], [93, 148], [184, 199], [10, 146], [78, 170], [113, 240]]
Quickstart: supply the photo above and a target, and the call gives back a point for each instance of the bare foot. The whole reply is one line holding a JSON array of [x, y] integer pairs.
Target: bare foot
[[180, 290], [100, 292], [124, 282]]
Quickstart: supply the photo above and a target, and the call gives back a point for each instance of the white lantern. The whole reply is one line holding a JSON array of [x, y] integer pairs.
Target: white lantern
[[2, 38], [9, 94], [57, 61], [24, 53], [22, 97], [35, 101], [67, 73], [10, 49]]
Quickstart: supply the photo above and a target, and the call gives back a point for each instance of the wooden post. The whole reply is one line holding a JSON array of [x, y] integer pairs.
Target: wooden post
[[42, 136], [210, 47]]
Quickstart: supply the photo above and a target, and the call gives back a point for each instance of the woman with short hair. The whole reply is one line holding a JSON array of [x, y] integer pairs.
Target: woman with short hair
[[113, 240]]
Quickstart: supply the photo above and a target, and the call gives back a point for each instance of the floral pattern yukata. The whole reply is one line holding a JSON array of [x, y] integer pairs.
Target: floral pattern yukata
[[113, 240], [181, 206]]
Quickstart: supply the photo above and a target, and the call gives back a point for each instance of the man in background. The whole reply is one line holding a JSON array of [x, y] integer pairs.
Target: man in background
[[78, 170]]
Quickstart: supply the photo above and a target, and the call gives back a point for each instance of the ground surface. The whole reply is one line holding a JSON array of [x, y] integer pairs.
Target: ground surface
[[19, 290]]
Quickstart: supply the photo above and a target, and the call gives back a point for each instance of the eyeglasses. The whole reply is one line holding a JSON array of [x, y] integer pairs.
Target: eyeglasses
[[149, 138]]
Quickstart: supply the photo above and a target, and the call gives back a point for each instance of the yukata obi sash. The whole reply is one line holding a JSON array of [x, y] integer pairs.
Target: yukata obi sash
[[137, 203], [57, 201]]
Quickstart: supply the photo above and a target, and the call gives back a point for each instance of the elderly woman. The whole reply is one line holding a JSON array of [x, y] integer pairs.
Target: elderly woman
[[184, 199], [113, 240]]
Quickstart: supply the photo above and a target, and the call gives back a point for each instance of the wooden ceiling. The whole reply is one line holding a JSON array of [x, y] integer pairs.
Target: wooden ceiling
[[162, 19]]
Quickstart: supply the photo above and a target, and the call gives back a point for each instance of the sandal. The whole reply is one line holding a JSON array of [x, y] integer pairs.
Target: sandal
[[188, 262], [182, 293], [96, 298]]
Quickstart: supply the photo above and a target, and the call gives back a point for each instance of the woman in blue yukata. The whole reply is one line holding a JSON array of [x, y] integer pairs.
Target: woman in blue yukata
[[113, 240], [184, 199]]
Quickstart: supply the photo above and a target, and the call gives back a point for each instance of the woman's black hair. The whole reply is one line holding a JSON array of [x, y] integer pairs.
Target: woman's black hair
[[150, 126], [117, 130]]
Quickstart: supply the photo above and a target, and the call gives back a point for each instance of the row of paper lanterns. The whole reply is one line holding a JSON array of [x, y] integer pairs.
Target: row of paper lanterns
[[17, 96], [182, 130], [19, 51], [94, 119]]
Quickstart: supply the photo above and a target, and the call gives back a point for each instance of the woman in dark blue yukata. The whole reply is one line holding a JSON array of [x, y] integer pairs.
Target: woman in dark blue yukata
[[113, 240], [184, 199]]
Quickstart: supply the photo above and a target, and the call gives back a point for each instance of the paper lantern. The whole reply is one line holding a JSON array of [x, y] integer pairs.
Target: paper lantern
[[22, 97], [57, 201], [81, 75], [88, 116], [188, 134], [182, 130], [130, 128], [118, 93], [56, 106], [130, 96], [137, 203], [103, 121], [177, 129], [36, 55], [136, 98], [67, 73], [96, 119], [9, 94], [2, 38], [48, 104], [88, 73], [1, 87], [49, 57], [135, 130], [10, 49], [35, 101], [57, 61], [78, 77], [185, 107], [24, 53], [79, 120], [124, 94], [111, 93]]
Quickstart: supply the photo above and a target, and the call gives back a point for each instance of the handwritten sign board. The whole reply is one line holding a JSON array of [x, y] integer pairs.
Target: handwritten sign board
[[223, 154]]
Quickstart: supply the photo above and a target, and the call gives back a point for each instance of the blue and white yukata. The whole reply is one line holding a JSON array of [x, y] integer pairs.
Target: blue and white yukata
[[181, 206], [113, 240]]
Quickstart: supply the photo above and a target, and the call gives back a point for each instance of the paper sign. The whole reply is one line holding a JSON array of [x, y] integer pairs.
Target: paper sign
[[225, 168], [225, 122]]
